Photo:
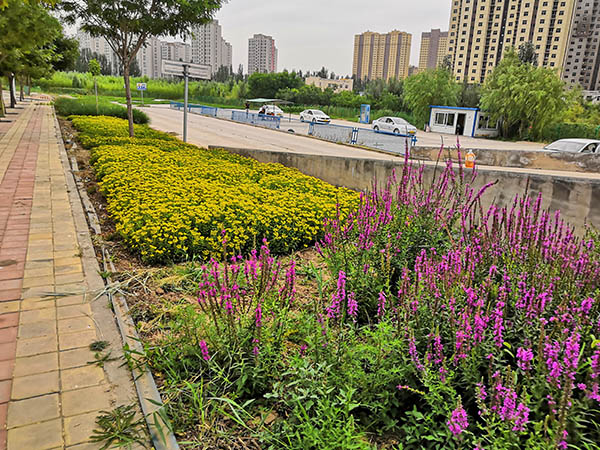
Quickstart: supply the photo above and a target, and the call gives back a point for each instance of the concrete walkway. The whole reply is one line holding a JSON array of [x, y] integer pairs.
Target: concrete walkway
[[50, 395]]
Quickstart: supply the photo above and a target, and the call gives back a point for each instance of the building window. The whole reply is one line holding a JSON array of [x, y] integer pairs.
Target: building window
[[444, 119]]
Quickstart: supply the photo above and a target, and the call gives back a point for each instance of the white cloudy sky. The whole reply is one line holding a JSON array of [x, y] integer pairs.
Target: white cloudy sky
[[314, 33]]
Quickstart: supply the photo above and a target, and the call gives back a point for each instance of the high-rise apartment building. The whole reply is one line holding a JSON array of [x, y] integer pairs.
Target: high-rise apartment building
[[209, 47], [481, 31], [434, 47], [262, 54], [100, 46], [582, 63], [149, 58], [379, 55], [177, 51]]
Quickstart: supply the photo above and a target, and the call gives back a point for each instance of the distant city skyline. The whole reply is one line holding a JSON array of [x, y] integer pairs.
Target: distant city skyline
[[321, 33]]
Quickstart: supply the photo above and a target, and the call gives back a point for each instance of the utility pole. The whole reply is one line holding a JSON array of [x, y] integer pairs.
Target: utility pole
[[185, 102]]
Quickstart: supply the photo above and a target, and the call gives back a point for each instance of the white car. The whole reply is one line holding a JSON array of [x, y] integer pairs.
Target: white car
[[271, 110], [396, 125], [574, 146], [314, 115]]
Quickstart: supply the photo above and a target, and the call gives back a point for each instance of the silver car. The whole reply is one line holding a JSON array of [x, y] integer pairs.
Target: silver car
[[396, 125], [574, 146], [314, 115]]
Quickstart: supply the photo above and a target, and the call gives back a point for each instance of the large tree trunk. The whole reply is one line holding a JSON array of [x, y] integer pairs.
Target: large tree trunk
[[2, 108], [11, 83], [128, 97]]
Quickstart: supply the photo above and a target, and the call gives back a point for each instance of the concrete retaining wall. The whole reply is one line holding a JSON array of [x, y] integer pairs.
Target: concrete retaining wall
[[578, 199], [570, 162]]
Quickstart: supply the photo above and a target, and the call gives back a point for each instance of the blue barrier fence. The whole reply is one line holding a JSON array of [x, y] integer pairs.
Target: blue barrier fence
[[379, 140]]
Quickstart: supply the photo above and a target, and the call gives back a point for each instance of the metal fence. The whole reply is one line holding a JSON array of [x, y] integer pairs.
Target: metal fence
[[378, 140], [390, 142]]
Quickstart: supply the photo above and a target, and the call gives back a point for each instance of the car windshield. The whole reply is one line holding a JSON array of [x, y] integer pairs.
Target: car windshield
[[565, 146], [319, 113]]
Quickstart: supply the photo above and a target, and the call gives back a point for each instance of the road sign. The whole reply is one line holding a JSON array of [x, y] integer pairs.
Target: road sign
[[141, 87], [201, 71]]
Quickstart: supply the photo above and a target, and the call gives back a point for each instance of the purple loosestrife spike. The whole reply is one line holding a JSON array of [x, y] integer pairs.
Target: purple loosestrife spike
[[204, 350], [524, 357], [258, 316], [352, 305], [458, 421], [381, 305]]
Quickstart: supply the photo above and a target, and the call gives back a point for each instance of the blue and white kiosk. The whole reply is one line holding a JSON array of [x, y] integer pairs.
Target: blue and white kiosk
[[462, 121]]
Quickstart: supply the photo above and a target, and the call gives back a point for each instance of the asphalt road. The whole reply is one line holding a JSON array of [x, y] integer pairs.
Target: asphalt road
[[204, 131]]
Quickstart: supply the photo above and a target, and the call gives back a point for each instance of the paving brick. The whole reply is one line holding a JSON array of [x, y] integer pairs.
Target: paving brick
[[11, 294], [41, 272], [78, 429], [8, 335], [6, 307], [32, 410], [36, 346], [76, 340], [75, 324], [37, 329], [38, 315], [38, 281], [39, 436], [32, 303], [71, 300], [9, 320], [34, 385], [31, 365], [85, 400], [69, 269], [67, 312], [5, 387], [80, 377], [67, 261], [7, 351], [6, 370], [78, 357]]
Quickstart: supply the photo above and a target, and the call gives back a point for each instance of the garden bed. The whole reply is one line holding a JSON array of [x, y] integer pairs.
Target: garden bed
[[418, 321]]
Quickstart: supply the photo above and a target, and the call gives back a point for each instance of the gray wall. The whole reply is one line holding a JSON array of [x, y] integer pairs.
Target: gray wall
[[578, 199]]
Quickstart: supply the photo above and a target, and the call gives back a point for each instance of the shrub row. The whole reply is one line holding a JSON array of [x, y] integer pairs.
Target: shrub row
[[570, 130], [86, 106], [173, 201]]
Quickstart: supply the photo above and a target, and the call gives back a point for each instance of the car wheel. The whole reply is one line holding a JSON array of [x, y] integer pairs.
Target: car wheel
[[301, 119], [314, 121], [376, 128], [396, 131]]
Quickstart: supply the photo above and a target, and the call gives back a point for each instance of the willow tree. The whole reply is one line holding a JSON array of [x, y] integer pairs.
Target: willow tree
[[128, 24]]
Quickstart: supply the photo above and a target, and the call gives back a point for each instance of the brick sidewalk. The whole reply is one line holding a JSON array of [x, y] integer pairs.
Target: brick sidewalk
[[49, 394]]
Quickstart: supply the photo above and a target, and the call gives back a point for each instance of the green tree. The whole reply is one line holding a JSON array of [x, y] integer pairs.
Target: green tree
[[66, 51], [267, 85], [523, 96], [432, 87], [26, 28], [94, 69], [527, 53], [128, 24]]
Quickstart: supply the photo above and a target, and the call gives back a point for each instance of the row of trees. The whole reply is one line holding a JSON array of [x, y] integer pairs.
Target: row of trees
[[32, 45], [126, 26]]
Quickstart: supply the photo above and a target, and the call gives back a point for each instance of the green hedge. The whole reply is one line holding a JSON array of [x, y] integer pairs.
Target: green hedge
[[570, 130], [86, 106]]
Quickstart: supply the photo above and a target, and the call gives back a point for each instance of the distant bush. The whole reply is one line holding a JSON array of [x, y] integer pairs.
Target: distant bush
[[86, 106], [570, 130]]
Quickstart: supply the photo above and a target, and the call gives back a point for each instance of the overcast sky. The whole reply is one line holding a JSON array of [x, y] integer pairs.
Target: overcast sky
[[310, 34]]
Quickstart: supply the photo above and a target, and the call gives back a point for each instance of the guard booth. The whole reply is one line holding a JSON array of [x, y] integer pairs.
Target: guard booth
[[461, 121]]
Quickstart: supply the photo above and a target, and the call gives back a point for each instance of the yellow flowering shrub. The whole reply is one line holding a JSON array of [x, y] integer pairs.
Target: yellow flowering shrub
[[171, 200]]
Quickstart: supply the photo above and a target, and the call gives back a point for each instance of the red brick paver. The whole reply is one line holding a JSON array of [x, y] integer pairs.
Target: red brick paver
[[17, 175]]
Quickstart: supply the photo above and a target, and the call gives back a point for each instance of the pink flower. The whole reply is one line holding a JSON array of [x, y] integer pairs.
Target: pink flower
[[458, 421], [204, 350]]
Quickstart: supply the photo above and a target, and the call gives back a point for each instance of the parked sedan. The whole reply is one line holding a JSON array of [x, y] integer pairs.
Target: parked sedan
[[574, 146], [396, 125], [314, 115]]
